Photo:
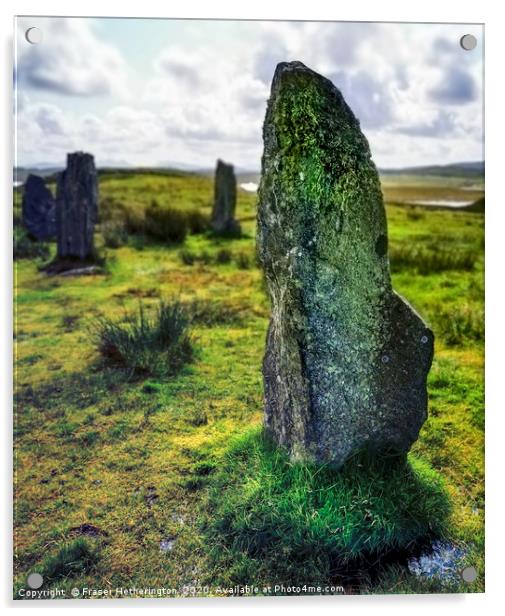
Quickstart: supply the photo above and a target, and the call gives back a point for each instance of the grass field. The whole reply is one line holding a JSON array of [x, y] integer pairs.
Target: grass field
[[116, 474]]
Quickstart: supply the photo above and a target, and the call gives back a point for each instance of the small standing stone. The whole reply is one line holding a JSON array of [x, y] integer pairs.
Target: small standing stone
[[77, 206], [225, 200], [347, 358], [38, 208]]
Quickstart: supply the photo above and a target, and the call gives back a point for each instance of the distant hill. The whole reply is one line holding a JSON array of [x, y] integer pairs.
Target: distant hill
[[21, 173], [465, 169], [128, 171]]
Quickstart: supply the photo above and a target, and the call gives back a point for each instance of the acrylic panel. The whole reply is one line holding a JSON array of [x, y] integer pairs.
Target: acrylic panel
[[249, 308]]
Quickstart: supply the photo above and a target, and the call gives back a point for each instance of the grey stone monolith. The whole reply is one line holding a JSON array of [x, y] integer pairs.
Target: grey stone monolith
[[76, 206], [225, 200], [38, 208], [346, 358]]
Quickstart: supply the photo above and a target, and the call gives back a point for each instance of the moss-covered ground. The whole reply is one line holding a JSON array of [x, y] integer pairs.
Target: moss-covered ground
[[111, 468]]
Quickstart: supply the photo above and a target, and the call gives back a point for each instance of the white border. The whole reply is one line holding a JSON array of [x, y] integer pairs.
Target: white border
[[361, 10]]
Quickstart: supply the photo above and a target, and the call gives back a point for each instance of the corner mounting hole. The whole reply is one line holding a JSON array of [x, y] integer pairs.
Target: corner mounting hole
[[468, 42], [469, 574], [35, 580], [34, 36]]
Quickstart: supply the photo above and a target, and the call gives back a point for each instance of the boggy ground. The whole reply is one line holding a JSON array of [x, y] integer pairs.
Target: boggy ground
[[139, 481]]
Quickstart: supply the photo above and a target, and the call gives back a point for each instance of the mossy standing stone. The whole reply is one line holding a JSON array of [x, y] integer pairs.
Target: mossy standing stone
[[225, 200], [76, 206], [346, 358], [38, 208]]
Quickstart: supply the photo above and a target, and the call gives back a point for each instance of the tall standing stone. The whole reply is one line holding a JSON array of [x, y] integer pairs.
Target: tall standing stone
[[38, 208], [347, 358], [225, 200], [77, 206]]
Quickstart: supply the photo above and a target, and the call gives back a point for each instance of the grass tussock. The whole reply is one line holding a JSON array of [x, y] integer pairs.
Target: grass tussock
[[75, 558], [198, 222], [415, 214], [459, 325], [160, 222], [165, 223], [27, 248], [156, 342], [119, 212], [214, 312], [223, 256], [114, 233], [190, 257], [243, 261], [426, 260], [311, 521]]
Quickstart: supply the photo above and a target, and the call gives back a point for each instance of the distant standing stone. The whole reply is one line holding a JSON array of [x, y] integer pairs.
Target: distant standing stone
[[346, 358], [77, 206], [225, 200], [38, 209]]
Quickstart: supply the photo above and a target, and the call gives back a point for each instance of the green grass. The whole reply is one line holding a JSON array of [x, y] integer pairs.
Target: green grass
[[460, 325], [209, 313], [165, 223], [140, 458], [71, 560], [284, 521], [27, 248], [431, 260], [143, 343], [114, 233]]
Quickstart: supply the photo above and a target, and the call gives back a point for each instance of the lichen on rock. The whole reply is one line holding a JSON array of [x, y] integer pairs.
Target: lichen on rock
[[347, 358]]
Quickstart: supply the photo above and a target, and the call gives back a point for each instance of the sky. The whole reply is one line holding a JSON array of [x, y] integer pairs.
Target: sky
[[155, 92]]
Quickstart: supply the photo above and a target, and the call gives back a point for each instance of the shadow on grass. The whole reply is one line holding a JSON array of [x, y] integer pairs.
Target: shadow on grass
[[273, 521], [96, 261], [76, 389]]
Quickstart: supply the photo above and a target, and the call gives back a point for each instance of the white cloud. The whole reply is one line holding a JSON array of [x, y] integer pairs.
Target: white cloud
[[205, 95], [50, 120], [415, 92], [71, 60], [272, 50]]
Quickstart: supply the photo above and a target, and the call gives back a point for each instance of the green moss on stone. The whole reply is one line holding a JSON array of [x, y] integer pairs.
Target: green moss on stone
[[320, 219]]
